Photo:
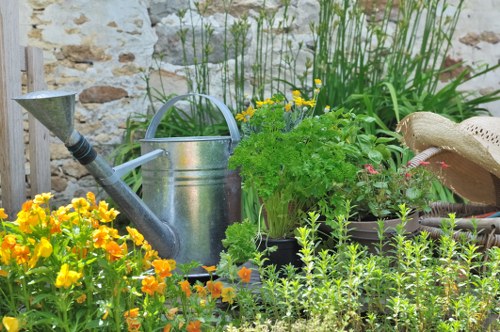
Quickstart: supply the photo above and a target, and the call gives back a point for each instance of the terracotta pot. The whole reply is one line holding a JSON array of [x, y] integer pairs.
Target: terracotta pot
[[365, 232], [287, 252]]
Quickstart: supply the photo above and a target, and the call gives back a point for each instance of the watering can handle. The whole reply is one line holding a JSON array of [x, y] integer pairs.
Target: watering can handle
[[228, 116]]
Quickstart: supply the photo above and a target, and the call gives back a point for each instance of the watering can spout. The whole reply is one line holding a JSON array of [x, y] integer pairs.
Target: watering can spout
[[55, 110]]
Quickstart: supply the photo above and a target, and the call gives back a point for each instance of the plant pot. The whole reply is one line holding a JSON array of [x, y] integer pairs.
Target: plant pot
[[366, 232], [287, 252]]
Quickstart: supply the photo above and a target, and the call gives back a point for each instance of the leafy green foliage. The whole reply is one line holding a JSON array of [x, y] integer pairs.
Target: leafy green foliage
[[240, 241]]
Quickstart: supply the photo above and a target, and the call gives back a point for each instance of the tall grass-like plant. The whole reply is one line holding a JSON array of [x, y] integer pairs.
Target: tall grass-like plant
[[387, 60]]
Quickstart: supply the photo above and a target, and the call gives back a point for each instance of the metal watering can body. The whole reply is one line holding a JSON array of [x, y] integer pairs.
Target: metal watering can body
[[189, 194], [191, 187]]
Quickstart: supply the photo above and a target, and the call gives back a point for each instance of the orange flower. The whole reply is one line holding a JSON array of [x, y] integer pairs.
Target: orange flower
[[132, 313], [9, 241], [245, 274], [91, 198], [3, 215], [80, 299], [185, 287], [115, 251], [194, 326], [171, 313], [162, 267], [131, 318], [167, 328], [150, 286], [215, 288], [210, 268], [21, 253]]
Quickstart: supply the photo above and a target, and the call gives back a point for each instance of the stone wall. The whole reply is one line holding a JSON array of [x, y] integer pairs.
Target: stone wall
[[103, 49]]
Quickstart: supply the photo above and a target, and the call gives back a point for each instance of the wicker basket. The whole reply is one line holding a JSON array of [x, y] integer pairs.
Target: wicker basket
[[488, 229]]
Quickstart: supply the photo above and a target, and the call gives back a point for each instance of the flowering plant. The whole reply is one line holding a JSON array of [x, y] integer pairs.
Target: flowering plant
[[380, 190], [69, 269]]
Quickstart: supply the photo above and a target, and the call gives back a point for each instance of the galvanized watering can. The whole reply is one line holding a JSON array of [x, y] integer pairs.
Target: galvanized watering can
[[189, 195]]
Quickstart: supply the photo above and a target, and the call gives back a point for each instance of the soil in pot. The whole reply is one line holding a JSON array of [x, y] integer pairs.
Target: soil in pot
[[366, 232]]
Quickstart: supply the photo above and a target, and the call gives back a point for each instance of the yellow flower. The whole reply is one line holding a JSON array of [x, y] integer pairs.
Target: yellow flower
[[42, 198], [318, 83], [3, 273], [11, 324], [80, 204], [66, 277], [245, 115], [106, 214], [100, 237], [42, 249], [228, 295], [3, 215], [137, 237], [200, 290], [295, 94], [30, 217]]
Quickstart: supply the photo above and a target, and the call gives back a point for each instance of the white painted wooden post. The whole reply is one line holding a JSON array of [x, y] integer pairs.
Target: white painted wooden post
[[12, 172], [13, 60], [39, 148]]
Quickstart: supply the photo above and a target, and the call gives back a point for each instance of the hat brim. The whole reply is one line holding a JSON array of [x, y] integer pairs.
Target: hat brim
[[472, 168]]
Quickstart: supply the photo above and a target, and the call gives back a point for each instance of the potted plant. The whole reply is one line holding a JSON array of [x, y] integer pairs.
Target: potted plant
[[293, 159], [386, 197]]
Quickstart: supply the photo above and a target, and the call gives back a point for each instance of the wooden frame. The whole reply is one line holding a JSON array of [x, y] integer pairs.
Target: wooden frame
[[13, 60]]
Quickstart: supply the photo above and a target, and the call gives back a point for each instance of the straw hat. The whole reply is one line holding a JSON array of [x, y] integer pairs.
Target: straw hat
[[471, 149]]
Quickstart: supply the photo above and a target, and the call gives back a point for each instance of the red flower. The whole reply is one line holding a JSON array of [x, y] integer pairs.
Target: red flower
[[369, 168], [442, 164]]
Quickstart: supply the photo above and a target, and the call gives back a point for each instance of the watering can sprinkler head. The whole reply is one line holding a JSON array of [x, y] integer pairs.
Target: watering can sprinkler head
[[54, 109]]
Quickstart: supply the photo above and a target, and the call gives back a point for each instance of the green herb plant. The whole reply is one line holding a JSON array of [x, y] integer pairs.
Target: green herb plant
[[427, 285]]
